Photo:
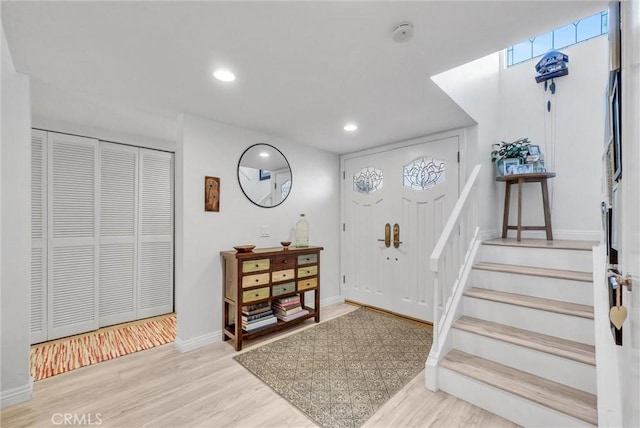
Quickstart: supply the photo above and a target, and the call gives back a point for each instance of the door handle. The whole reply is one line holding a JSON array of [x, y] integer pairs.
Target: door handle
[[396, 236], [387, 235]]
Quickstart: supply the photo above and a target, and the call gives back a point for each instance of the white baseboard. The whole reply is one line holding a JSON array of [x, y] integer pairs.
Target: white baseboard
[[577, 235], [485, 235], [197, 342], [331, 301], [17, 395]]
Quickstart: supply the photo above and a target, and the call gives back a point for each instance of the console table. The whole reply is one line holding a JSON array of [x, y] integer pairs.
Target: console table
[[519, 179], [262, 276]]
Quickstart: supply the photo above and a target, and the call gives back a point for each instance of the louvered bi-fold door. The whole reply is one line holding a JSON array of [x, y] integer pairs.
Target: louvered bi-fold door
[[118, 233], [38, 236], [155, 236], [73, 246]]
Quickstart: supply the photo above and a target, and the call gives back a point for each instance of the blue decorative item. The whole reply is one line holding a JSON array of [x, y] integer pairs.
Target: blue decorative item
[[552, 64]]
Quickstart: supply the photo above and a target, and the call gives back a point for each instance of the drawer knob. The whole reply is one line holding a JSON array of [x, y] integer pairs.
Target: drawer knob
[[257, 280], [257, 265]]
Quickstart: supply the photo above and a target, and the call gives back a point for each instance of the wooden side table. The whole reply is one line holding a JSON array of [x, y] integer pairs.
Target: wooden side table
[[519, 179]]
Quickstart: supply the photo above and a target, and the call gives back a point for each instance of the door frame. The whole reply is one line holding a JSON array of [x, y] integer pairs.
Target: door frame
[[463, 172]]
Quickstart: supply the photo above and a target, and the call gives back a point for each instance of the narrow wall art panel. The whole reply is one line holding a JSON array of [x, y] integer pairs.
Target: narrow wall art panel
[[212, 194]]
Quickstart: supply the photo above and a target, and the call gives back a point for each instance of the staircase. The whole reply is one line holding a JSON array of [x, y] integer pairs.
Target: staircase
[[524, 345]]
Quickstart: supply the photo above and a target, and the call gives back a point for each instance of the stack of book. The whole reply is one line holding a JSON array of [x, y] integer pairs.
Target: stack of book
[[257, 316], [288, 308]]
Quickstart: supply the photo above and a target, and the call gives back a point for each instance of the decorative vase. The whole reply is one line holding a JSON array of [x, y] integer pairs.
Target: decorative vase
[[500, 166], [302, 232]]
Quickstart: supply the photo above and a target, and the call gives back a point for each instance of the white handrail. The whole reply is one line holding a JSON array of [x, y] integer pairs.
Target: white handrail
[[454, 218], [451, 254]]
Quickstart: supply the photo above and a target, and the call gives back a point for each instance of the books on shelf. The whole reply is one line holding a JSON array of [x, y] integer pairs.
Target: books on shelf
[[259, 323], [265, 314], [286, 303], [256, 309], [257, 316], [293, 316], [287, 311], [285, 300]]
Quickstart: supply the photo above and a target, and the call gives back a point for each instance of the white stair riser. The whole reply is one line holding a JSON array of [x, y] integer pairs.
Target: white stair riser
[[549, 288], [564, 326], [512, 407], [558, 369], [539, 257]]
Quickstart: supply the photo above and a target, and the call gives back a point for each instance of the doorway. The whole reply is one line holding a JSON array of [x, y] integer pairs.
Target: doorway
[[395, 202]]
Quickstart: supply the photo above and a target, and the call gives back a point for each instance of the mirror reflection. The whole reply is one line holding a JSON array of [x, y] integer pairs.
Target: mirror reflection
[[264, 175]]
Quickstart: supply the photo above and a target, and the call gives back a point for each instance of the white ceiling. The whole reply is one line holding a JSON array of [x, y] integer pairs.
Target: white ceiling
[[303, 68]]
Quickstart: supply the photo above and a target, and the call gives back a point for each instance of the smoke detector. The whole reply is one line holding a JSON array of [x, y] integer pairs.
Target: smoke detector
[[403, 32]]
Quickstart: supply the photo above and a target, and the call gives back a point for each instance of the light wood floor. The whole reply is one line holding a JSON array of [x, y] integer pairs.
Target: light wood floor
[[162, 387]]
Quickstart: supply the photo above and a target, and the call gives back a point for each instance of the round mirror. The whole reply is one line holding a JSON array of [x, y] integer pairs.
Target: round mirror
[[264, 175]]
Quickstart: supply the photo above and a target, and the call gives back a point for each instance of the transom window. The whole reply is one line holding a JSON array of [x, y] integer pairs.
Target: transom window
[[575, 32]]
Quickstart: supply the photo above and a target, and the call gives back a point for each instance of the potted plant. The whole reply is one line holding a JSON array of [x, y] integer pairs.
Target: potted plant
[[518, 149]]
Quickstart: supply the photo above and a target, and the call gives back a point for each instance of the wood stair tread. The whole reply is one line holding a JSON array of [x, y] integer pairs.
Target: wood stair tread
[[569, 349], [549, 305], [573, 402], [556, 244], [536, 271]]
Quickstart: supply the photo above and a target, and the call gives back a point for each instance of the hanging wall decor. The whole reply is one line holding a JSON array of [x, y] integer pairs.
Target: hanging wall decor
[[212, 194]]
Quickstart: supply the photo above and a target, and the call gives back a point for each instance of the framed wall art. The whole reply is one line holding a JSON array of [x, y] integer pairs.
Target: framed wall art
[[616, 131], [212, 194]]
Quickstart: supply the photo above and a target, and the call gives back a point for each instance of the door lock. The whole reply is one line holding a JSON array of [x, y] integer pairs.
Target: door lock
[[387, 236], [396, 236]]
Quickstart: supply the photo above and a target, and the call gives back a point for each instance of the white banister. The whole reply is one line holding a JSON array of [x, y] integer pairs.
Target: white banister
[[450, 262]]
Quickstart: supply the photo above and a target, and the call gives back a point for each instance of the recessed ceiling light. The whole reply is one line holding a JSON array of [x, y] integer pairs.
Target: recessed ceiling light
[[224, 75], [350, 127], [264, 155]]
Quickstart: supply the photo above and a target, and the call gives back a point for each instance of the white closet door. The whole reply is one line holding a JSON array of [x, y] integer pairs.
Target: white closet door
[[155, 280], [73, 246], [38, 236], [118, 233]]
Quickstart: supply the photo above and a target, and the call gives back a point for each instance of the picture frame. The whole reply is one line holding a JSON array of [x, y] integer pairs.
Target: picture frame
[[509, 164], [534, 150], [523, 168], [615, 218], [212, 194], [265, 174], [616, 131], [609, 170]]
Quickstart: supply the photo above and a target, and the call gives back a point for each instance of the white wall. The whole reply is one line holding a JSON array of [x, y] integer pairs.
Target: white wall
[[475, 86], [576, 123], [15, 230], [207, 148], [508, 104]]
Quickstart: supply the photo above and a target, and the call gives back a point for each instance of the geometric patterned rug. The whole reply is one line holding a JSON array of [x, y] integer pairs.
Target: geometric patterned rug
[[341, 371], [62, 355]]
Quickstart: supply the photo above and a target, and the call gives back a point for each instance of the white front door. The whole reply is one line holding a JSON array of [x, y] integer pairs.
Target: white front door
[[412, 189]]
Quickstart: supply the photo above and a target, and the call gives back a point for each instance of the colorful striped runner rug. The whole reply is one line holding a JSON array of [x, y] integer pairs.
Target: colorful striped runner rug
[[63, 355]]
